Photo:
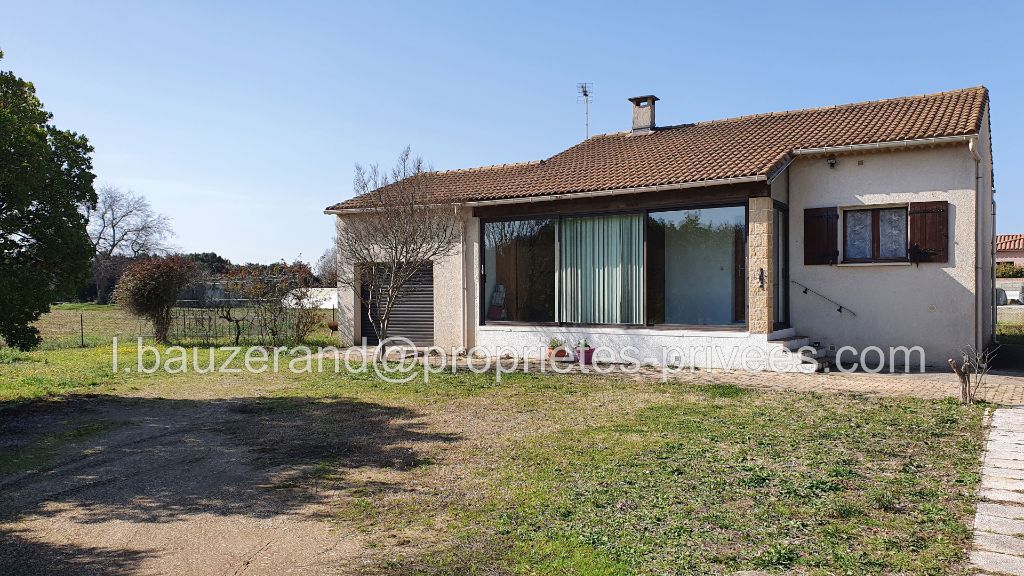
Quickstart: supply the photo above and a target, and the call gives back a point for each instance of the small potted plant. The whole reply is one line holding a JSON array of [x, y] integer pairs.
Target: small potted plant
[[557, 349], [584, 353]]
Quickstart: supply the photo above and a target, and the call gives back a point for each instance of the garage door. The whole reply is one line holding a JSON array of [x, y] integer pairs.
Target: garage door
[[412, 316]]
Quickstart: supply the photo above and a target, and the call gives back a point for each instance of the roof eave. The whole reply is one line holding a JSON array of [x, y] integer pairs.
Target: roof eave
[[887, 145]]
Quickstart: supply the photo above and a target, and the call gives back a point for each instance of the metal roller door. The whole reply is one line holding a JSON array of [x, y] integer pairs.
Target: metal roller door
[[412, 316]]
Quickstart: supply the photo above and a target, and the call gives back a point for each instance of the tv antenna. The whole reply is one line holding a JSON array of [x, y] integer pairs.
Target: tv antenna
[[586, 92]]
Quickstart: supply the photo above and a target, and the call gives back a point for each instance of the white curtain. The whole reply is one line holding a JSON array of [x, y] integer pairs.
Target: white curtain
[[601, 279]]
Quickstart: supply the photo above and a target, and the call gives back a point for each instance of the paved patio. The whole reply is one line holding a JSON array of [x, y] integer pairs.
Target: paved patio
[[1000, 387], [1005, 388]]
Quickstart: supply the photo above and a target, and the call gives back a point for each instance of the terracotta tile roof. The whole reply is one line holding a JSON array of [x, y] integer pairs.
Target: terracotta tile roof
[[719, 149], [1010, 242]]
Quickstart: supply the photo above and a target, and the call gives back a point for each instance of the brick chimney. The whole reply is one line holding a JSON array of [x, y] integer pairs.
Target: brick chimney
[[643, 113]]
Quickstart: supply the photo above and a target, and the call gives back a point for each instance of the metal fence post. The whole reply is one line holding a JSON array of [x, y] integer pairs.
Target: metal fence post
[[81, 328]]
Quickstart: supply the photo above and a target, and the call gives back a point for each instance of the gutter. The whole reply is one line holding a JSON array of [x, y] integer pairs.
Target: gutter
[[885, 145]]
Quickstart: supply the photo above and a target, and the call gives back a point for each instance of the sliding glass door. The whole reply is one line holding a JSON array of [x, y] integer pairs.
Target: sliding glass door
[[678, 267], [519, 270], [601, 275], [697, 266]]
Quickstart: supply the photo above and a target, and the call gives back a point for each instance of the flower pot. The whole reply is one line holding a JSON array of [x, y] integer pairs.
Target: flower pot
[[560, 353], [585, 355]]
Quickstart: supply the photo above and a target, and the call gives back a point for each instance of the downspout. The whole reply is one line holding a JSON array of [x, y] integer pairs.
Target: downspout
[[995, 302], [978, 267], [465, 294]]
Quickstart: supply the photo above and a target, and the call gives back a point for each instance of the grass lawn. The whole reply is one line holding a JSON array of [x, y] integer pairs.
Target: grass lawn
[[1012, 334], [578, 474]]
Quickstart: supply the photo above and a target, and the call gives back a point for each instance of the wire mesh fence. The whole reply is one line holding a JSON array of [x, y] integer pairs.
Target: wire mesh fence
[[91, 325], [87, 327]]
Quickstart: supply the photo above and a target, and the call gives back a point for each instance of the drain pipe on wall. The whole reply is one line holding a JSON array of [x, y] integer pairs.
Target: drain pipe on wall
[[465, 293], [978, 267]]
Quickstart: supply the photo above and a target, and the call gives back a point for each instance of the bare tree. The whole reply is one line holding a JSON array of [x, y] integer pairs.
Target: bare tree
[[396, 234], [227, 311], [326, 268], [124, 224], [971, 371]]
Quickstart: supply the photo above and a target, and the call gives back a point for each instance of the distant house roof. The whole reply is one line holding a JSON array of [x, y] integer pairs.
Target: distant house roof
[[709, 151], [1010, 242]]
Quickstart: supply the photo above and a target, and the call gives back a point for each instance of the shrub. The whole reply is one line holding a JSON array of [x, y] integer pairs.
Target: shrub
[[1008, 270], [149, 289], [284, 309]]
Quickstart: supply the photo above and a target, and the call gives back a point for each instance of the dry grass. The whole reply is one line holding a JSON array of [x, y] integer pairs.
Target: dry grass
[[577, 474]]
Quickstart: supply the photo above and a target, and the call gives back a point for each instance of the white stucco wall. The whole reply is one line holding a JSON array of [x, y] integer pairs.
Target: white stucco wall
[[686, 348], [931, 305], [348, 299], [450, 290], [451, 294]]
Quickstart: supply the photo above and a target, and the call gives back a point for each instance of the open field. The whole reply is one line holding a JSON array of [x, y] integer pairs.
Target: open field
[[538, 474]]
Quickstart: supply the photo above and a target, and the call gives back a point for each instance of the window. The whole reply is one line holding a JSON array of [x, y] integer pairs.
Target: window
[[680, 267], [875, 235], [601, 280], [519, 270], [697, 266]]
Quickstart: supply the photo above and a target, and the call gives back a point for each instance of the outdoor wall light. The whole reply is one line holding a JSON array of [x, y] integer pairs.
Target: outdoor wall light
[[831, 161]]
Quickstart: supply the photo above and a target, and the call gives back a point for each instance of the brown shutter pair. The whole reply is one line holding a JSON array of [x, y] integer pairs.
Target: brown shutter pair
[[929, 233]]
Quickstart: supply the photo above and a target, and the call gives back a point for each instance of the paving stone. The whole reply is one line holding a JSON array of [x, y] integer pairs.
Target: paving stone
[[1000, 483], [1004, 436], [1002, 463], [1005, 450], [999, 563], [1001, 510], [1002, 495], [1003, 472], [998, 525], [1000, 543]]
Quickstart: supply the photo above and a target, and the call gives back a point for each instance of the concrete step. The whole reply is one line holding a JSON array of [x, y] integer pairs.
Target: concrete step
[[792, 343]]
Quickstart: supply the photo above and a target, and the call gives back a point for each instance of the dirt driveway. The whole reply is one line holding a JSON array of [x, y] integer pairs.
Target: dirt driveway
[[217, 477], [221, 486]]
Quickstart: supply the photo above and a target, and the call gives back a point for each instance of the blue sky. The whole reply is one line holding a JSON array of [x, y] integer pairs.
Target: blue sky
[[242, 121]]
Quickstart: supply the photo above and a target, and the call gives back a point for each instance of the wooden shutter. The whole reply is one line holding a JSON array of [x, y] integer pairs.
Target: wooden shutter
[[820, 236], [929, 231]]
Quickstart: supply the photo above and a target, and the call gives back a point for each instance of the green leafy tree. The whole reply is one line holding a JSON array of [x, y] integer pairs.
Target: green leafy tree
[[149, 288], [46, 184], [210, 262]]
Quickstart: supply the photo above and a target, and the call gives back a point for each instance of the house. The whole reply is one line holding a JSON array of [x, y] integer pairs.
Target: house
[[1010, 248], [862, 225]]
